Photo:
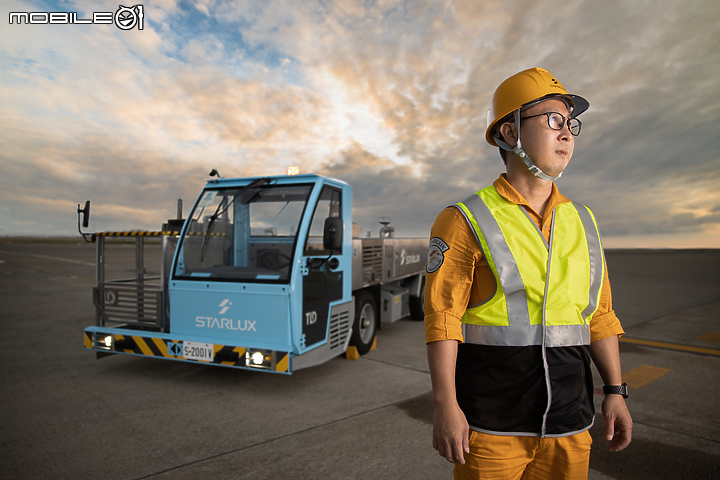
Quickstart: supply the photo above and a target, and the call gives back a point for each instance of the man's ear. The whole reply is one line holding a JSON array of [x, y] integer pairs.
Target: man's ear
[[509, 133]]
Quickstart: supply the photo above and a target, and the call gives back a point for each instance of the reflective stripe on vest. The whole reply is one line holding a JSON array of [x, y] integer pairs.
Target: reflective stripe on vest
[[545, 293]]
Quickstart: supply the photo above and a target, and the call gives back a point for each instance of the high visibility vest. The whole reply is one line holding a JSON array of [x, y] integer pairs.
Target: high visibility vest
[[526, 348]]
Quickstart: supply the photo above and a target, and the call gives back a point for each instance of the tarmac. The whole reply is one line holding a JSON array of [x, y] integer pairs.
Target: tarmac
[[67, 415]]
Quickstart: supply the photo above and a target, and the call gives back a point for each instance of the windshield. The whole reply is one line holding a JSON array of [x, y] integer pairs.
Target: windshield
[[243, 233]]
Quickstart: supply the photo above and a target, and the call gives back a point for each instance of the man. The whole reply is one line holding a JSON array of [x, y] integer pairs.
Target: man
[[518, 301]]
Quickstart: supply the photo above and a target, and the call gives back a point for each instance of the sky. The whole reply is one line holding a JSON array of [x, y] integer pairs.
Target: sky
[[388, 96]]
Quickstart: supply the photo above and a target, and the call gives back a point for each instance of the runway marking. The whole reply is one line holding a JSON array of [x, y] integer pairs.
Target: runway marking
[[642, 375], [671, 346], [712, 337]]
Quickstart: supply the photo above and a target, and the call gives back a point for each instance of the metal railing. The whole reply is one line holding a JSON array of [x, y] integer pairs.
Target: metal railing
[[134, 302]]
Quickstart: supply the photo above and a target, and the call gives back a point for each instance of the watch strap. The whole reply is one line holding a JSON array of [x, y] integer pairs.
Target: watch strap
[[616, 390]]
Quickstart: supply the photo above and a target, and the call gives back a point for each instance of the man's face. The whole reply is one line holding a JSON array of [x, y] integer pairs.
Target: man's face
[[549, 149]]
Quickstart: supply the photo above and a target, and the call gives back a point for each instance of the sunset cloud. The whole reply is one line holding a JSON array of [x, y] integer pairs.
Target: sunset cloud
[[389, 96]]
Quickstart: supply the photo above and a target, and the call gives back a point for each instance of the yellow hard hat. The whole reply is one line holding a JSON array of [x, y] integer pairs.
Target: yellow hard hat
[[526, 88]]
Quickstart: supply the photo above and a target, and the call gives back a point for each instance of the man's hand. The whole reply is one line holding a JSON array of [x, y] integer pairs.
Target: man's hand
[[618, 424], [450, 427], [450, 433]]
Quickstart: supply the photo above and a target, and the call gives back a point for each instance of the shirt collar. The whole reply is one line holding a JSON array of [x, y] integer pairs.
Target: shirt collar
[[509, 193]]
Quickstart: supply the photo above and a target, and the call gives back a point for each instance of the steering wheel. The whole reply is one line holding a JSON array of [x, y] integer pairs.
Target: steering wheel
[[270, 259]]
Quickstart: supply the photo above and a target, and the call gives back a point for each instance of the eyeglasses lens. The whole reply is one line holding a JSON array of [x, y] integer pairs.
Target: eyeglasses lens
[[556, 121], [575, 126]]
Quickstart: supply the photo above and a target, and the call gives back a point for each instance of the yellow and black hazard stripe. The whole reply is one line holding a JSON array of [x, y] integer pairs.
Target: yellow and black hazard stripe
[[133, 234], [154, 234], [227, 355]]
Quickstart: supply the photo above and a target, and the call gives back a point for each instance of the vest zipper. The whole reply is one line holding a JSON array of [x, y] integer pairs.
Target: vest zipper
[[544, 326]]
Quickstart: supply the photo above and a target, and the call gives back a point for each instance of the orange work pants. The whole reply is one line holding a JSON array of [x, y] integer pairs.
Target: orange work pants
[[498, 457]]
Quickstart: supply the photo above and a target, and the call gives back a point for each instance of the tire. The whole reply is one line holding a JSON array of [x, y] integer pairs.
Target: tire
[[417, 304], [365, 324]]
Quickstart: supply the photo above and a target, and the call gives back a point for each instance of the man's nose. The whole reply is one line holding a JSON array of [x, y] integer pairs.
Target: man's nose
[[565, 132]]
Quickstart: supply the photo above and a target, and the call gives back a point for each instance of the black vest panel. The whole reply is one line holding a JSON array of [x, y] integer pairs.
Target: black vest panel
[[504, 389], [571, 382]]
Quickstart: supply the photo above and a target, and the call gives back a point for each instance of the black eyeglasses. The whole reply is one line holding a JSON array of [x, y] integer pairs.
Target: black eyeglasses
[[556, 121]]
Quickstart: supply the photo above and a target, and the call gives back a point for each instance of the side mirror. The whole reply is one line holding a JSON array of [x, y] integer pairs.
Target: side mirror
[[333, 233], [85, 213]]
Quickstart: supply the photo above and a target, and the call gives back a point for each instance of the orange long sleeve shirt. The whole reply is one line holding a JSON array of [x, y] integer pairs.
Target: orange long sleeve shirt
[[464, 277]]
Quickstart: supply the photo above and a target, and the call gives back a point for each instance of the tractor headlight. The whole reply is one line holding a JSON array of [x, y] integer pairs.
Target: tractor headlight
[[104, 341], [259, 358]]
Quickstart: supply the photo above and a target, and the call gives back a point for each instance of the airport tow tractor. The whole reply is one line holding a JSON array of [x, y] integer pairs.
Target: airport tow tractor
[[266, 273]]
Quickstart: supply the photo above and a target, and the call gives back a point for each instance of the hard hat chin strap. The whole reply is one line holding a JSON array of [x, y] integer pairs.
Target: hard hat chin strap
[[518, 150]]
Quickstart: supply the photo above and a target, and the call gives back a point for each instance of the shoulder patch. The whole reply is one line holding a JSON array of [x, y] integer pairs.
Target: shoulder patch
[[436, 254]]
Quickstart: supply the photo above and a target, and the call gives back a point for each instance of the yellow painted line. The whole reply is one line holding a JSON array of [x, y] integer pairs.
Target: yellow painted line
[[642, 375], [671, 346], [140, 342], [712, 337]]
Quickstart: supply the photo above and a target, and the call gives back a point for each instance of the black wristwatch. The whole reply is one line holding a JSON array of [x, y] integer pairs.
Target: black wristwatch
[[616, 390]]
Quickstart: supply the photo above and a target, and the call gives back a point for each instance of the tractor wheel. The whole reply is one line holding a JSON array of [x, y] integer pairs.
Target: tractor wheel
[[365, 324]]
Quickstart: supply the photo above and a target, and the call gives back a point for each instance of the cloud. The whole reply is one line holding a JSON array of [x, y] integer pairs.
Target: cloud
[[255, 115], [383, 188], [650, 138], [390, 96]]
